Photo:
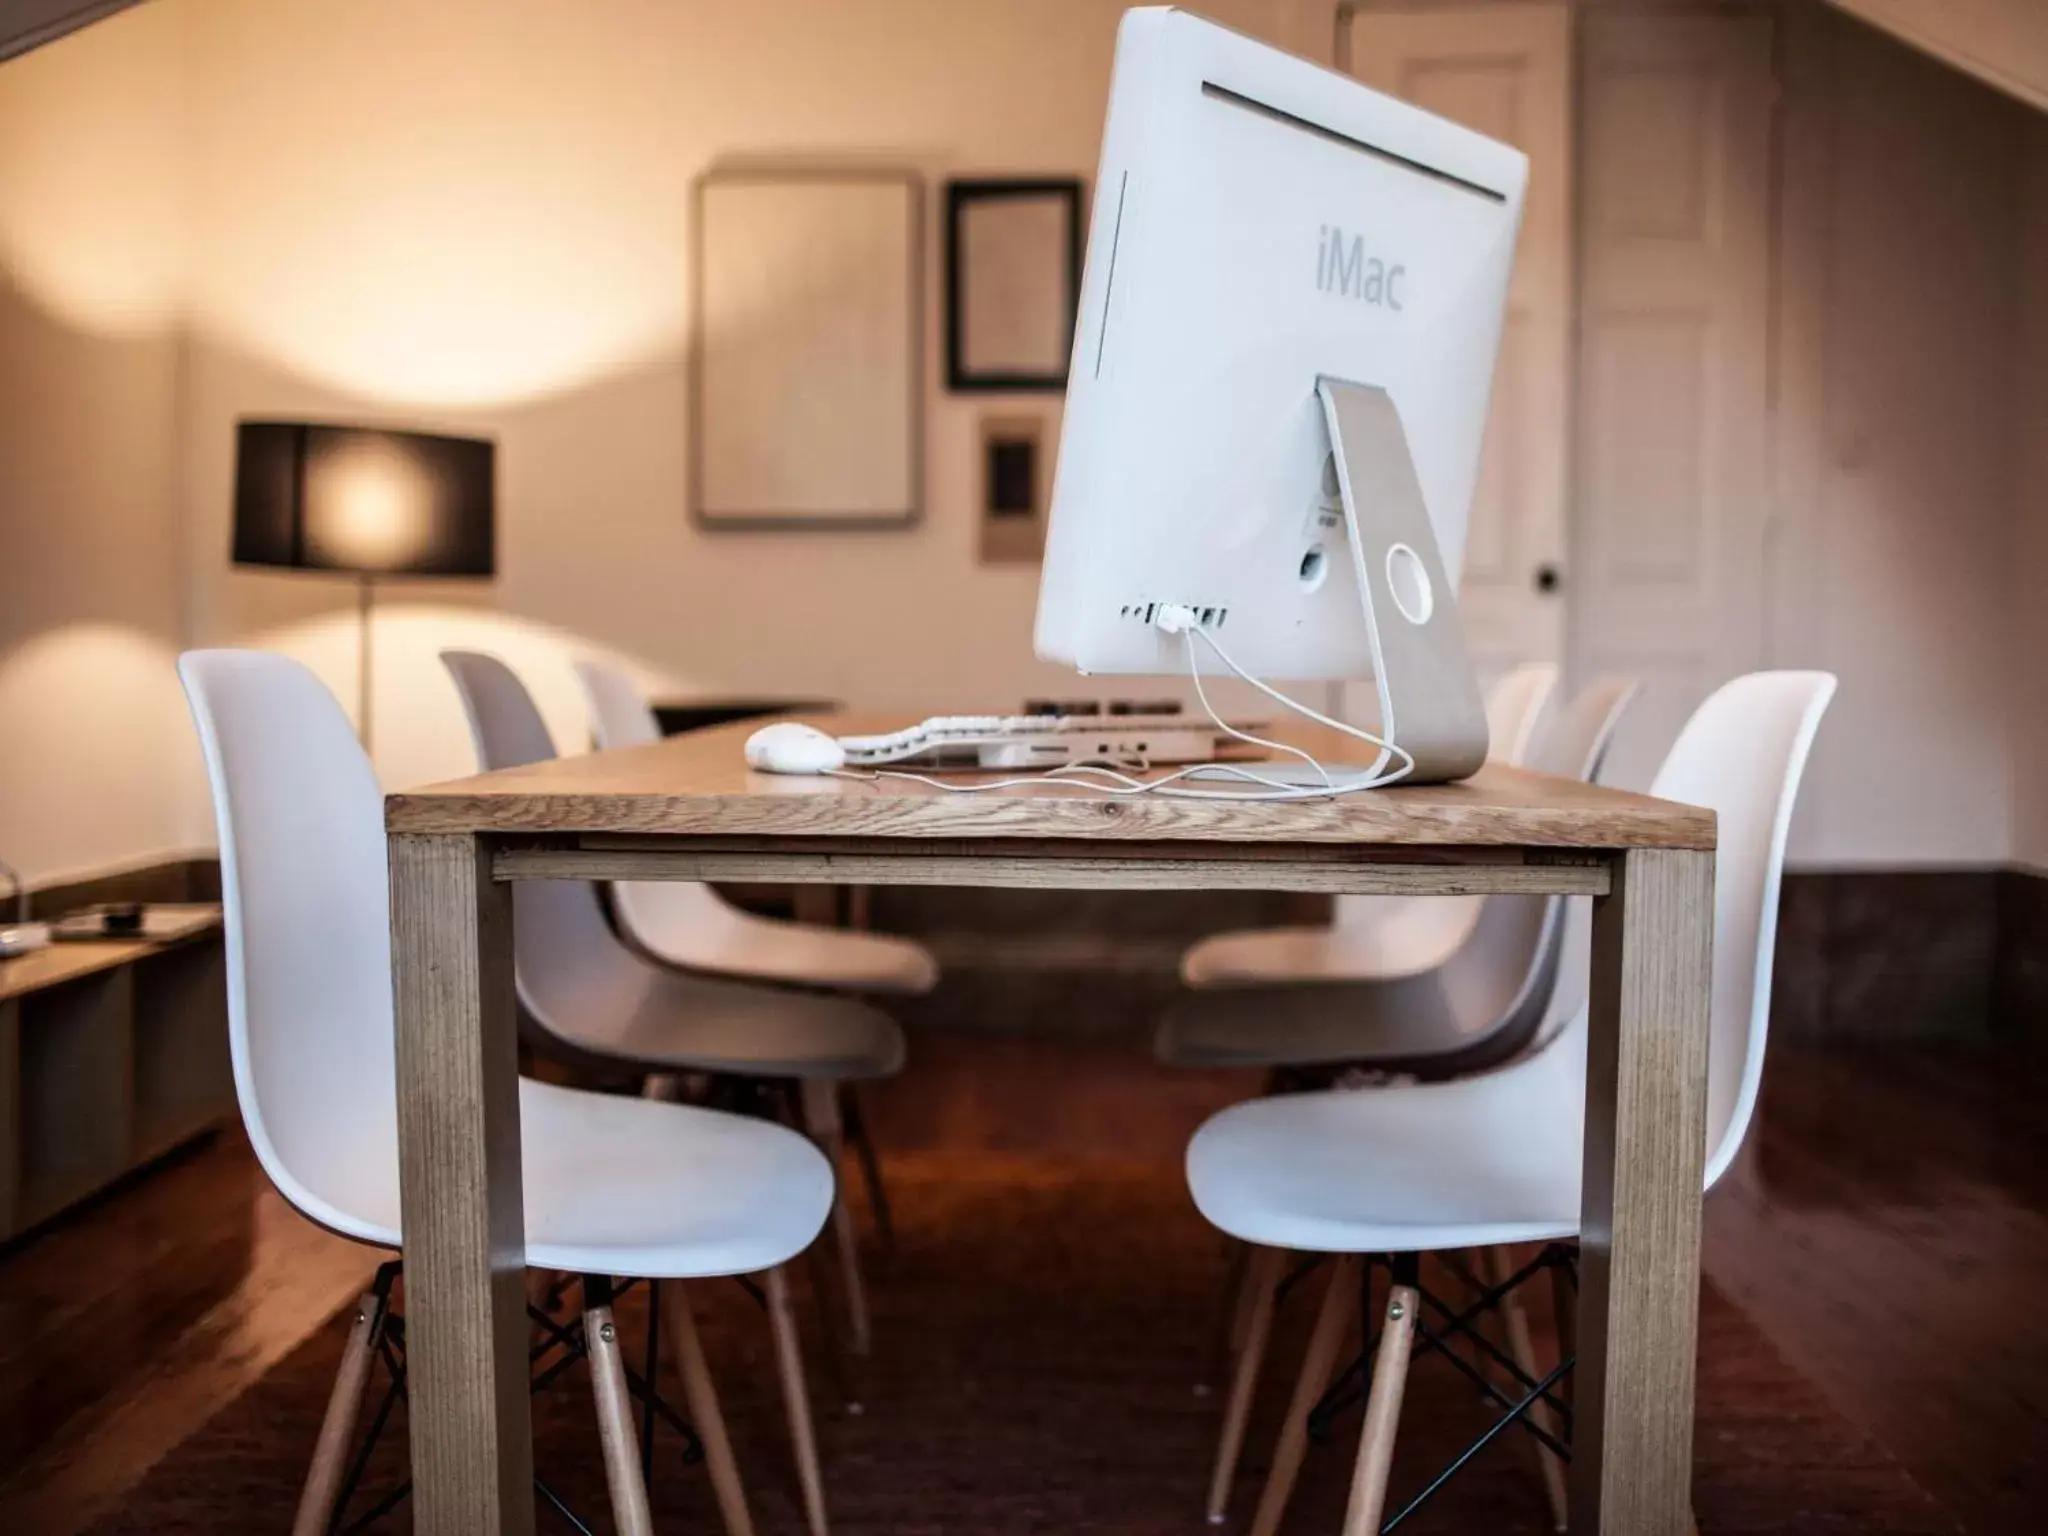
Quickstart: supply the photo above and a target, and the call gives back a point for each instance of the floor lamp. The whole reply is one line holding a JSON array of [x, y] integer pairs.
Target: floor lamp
[[365, 502]]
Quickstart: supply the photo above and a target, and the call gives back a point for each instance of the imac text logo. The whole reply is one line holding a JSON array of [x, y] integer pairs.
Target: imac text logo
[[1344, 268]]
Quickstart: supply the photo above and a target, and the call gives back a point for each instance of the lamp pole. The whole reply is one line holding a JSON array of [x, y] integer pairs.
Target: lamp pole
[[364, 691]]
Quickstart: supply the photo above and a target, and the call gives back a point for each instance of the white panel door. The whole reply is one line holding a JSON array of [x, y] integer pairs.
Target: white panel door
[[1671, 473], [1505, 70]]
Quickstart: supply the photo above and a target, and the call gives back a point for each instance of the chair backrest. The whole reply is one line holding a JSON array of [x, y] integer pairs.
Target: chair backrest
[[619, 715], [1514, 705], [1742, 755], [652, 911], [1506, 979], [307, 905], [574, 975]]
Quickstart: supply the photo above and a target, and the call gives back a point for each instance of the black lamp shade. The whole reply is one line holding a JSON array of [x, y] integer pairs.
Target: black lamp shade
[[363, 500]]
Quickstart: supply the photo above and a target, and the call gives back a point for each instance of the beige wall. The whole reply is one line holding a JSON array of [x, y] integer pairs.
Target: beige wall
[[475, 215], [2030, 567], [97, 764], [2004, 42], [1900, 274]]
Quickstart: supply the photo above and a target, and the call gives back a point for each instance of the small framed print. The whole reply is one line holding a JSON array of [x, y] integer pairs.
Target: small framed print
[[1014, 481], [1013, 278]]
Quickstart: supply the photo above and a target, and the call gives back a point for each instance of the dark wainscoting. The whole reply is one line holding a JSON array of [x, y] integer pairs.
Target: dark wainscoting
[[1912, 954], [2019, 994], [1886, 954], [175, 880], [1863, 955]]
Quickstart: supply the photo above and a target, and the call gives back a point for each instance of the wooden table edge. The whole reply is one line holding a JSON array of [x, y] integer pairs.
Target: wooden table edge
[[1633, 822]]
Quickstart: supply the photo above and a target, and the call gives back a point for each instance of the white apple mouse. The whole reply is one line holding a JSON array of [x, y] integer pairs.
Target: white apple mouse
[[787, 747]]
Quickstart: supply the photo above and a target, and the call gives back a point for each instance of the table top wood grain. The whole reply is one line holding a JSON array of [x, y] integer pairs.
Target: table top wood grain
[[698, 785]]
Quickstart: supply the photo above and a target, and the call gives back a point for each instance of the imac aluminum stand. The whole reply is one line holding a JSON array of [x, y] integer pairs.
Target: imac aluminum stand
[[1428, 694]]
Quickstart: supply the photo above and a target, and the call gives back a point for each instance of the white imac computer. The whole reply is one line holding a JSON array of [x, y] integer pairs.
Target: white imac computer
[[1282, 362]]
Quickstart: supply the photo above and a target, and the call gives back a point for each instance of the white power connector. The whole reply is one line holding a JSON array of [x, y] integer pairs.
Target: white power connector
[[1175, 618]]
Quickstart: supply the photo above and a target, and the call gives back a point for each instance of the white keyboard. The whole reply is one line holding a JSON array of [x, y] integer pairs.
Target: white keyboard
[[983, 742]]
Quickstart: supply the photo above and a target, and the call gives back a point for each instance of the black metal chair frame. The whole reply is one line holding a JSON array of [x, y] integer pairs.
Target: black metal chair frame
[[1453, 1325], [388, 1333]]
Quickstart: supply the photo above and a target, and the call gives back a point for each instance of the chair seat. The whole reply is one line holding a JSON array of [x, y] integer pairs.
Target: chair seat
[[1314, 1024], [718, 939], [624, 1186], [662, 1021], [1396, 936], [1403, 1168]]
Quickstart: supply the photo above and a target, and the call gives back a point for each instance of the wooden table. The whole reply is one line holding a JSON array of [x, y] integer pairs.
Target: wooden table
[[688, 809]]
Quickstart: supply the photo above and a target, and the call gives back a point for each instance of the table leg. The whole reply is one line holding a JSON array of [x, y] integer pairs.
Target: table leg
[[459, 1178], [1646, 1110]]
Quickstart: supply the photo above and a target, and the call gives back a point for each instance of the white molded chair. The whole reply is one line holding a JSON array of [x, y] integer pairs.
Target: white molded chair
[[613, 1186], [1374, 937], [684, 923], [1495, 998], [1487, 1003], [1496, 1158], [589, 996]]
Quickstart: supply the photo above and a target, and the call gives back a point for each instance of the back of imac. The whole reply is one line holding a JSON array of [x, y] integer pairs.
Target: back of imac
[[1262, 224]]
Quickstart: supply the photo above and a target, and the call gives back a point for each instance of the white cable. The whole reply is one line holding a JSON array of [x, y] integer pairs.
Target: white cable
[[1178, 619], [1195, 673], [1357, 733]]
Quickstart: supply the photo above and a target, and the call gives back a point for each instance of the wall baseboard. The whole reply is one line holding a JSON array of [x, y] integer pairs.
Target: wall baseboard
[[1916, 954], [2019, 984], [1863, 955], [1885, 954], [187, 878]]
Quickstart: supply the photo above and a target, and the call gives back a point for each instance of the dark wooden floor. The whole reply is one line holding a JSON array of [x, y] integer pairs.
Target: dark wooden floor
[[1887, 1230]]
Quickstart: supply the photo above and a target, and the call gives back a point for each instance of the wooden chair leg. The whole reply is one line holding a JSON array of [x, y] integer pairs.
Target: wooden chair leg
[[338, 1426], [1262, 1279], [687, 1351], [630, 1515], [1382, 1415], [1498, 1267], [1224, 1337], [836, 1362], [1332, 1323], [870, 1170], [796, 1398], [1245, 1303], [821, 1119]]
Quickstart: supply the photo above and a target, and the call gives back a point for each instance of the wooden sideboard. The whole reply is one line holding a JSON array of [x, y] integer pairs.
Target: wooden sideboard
[[112, 1053]]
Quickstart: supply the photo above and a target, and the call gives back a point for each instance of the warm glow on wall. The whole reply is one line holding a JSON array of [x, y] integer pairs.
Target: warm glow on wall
[[437, 205], [93, 174], [427, 738], [111, 768]]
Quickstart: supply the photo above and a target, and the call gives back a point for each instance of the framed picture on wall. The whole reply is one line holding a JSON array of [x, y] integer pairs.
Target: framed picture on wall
[[1013, 278], [806, 348], [1015, 480]]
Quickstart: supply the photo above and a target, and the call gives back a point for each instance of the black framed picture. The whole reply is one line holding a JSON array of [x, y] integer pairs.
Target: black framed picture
[[1013, 278]]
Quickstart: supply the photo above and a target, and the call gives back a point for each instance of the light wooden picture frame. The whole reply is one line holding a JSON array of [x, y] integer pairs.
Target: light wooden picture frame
[[807, 366]]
